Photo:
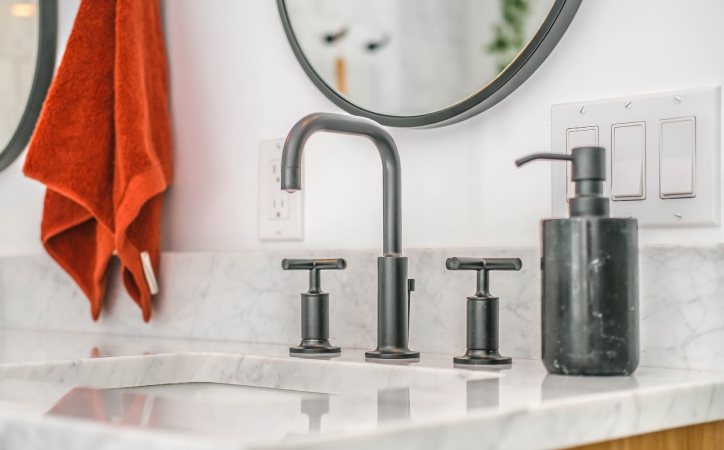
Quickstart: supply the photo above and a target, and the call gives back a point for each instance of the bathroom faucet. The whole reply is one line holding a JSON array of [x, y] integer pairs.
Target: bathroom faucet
[[393, 307]]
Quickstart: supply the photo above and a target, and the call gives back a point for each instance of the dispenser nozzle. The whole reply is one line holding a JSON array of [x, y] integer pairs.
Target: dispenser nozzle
[[588, 172], [548, 156]]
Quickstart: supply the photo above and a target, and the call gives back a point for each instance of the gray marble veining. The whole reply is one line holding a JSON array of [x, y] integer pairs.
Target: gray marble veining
[[246, 297]]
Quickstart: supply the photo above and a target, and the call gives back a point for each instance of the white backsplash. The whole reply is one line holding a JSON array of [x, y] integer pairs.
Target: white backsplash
[[247, 297]]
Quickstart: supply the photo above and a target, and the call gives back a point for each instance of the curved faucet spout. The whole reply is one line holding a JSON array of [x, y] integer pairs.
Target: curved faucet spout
[[345, 124]]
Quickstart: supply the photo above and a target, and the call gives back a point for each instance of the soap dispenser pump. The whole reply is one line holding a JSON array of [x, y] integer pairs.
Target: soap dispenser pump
[[590, 287]]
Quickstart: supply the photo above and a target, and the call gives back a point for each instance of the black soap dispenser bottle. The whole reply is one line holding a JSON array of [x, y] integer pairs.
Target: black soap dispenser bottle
[[590, 284]]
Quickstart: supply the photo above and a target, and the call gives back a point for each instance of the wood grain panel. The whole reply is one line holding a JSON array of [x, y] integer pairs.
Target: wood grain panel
[[705, 436]]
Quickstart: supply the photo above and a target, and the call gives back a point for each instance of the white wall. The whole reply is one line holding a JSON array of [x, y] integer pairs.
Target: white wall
[[235, 82], [21, 199]]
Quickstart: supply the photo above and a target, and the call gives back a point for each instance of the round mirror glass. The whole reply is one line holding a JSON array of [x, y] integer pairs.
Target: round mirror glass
[[413, 58], [18, 54], [27, 62]]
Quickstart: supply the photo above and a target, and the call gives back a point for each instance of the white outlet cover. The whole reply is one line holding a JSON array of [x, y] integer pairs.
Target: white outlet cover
[[270, 227], [704, 104]]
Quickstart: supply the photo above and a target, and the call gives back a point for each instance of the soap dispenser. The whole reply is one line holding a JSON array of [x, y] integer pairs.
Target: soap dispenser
[[590, 284]]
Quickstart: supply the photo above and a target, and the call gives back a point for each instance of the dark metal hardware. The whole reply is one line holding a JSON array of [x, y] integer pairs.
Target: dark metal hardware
[[482, 322], [392, 284], [315, 306], [588, 172]]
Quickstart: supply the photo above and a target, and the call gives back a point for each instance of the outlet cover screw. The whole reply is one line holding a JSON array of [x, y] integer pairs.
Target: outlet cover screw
[[678, 216], [628, 105], [582, 110], [677, 100]]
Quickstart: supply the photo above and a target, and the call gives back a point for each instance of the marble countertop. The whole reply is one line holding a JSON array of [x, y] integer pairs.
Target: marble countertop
[[66, 391]]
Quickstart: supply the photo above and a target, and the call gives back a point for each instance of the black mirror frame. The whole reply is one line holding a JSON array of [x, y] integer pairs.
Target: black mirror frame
[[529, 59], [44, 71]]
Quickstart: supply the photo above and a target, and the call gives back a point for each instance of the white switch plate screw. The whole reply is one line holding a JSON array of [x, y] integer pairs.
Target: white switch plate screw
[[281, 215]]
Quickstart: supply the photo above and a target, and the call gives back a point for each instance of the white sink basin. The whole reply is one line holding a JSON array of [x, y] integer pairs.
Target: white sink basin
[[247, 398], [207, 409]]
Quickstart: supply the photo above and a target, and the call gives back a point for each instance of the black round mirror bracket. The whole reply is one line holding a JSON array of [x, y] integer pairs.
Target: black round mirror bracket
[[44, 71], [529, 59]]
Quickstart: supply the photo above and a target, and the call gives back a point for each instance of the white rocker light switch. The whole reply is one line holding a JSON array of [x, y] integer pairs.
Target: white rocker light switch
[[678, 158]]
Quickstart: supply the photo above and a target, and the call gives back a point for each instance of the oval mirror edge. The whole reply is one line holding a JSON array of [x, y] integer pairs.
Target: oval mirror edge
[[520, 69], [42, 78]]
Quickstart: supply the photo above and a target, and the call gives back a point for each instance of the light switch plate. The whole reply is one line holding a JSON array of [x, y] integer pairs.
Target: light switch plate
[[281, 215], [703, 210]]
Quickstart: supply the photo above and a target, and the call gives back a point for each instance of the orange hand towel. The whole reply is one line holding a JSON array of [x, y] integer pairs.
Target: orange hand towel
[[102, 147]]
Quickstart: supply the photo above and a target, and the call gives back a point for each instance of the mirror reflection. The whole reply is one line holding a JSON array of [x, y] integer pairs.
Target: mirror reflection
[[412, 57], [18, 53]]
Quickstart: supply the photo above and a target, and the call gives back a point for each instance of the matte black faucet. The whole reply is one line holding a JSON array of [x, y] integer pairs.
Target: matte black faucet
[[393, 296]]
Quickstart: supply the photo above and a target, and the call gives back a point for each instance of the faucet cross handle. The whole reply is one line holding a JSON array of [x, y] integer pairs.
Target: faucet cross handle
[[314, 266], [311, 264], [482, 321], [483, 266], [315, 307]]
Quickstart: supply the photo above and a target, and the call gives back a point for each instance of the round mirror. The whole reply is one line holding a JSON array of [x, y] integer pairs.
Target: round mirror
[[413, 63], [27, 62]]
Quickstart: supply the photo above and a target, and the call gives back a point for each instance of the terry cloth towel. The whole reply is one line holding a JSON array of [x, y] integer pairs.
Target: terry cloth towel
[[102, 147]]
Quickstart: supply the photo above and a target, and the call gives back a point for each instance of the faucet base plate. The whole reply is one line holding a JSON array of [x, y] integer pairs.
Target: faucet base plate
[[312, 346], [392, 354], [482, 358]]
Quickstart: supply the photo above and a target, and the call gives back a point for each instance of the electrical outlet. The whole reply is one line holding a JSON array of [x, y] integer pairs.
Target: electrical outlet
[[278, 209], [281, 215]]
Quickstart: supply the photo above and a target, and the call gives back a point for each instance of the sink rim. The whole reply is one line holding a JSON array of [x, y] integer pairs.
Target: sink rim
[[333, 376]]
